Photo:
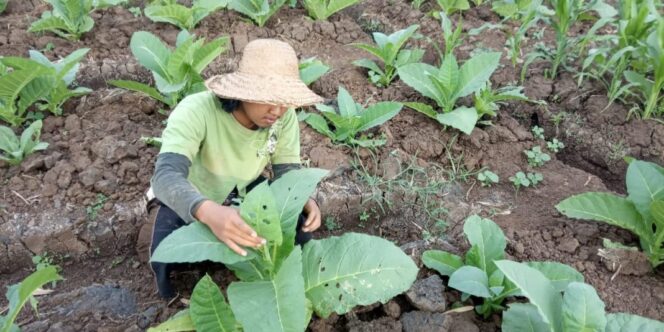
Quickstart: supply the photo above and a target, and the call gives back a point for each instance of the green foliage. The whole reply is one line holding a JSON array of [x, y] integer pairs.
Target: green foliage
[[183, 17], [351, 119], [18, 295], [281, 284], [312, 69], [447, 84], [536, 157], [177, 73], [650, 90], [38, 81], [452, 6], [388, 50], [70, 19], [538, 132], [521, 179], [529, 13], [487, 178], [14, 149], [258, 11], [322, 9], [555, 145], [477, 275], [3, 5], [641, 212], [578, 308], [487, 101]]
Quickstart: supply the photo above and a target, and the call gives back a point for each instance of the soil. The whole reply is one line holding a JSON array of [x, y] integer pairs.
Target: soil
[[81, 201]]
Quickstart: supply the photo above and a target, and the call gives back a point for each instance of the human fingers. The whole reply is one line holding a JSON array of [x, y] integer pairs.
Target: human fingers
[[231, 244], [244, 231], [313, 221], [246, 240]]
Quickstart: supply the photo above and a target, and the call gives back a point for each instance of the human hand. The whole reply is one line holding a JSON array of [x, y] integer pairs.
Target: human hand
[[225, 222], [313, 216]]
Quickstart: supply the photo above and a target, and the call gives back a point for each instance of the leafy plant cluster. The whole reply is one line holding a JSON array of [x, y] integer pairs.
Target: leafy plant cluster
[[281, 285], [351, 120], [70, 19], [14, 149], [186, 18], [177, 73], [521, 179], [641, 212], [487, 178], [37, 81], [536, 157]]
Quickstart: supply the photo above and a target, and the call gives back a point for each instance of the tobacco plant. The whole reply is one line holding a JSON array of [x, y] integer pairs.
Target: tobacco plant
[[574, 307], [38, 81], [322, 9], [388, 50], [20, 294], [641, 212], [13, 149], [177, 73], [477, 274], [487, 101], [70, 19], [281, 284], [351, 119], [312, 69], [183, 17], [258, 11], [452, 6], [447, 84]]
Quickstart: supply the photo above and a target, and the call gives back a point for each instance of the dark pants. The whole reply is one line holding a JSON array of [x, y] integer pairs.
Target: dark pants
[[168, 221]]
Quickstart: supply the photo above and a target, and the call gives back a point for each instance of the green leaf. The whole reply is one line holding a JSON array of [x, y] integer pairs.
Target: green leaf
[[259, 211], [175, 14], [354, 269], [208, 309], [195, 243], [272, 305], [181, 322], [583, 310], [375, 51], [347, 106], [142, 88], [470, 280], [30, 138], [487, 243], [476, 71], [538, 289], [53, 24], [416, 75], [319, 124], [441, 261], [607, 208], [378, 114], [560, 275], [523, 317], [150, 52], [462, 118], [368, 64], [311, 70], [423, 108], [644, 184], [621, 322], [334, 6], [8, 140], [21, 293]]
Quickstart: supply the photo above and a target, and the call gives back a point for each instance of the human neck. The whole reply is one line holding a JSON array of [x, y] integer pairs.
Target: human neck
[[241, 116]]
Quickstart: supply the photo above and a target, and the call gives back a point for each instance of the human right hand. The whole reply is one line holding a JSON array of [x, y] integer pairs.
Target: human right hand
[[225, 222]]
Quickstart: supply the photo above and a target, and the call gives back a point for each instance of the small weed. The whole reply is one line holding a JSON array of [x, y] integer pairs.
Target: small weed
[[558, 118], [487, 178], [136, 11], [49, 47], [331, 223], [536, 157], [520, 180], [535, 178], [117, 261], [617, 151], [93, 209], [538, 132], [42, 261], [555, 145], [364, 216]]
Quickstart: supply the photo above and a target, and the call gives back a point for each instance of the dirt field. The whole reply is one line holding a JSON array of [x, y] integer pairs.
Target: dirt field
[[81, 199]]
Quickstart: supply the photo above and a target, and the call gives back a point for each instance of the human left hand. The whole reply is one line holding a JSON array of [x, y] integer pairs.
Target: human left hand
[[313, 216]]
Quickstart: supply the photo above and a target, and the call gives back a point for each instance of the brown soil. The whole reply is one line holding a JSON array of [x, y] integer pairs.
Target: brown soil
[[52, 202]]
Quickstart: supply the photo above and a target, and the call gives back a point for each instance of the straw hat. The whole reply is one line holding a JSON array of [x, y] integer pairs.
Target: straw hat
[[268, 74]]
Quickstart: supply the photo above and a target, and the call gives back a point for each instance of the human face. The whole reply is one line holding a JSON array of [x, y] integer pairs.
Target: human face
[[252, 115]]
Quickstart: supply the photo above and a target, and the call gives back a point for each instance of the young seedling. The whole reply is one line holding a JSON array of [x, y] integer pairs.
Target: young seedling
[[477, 275], [286, 283], [487, 101], [258, 11], [388, 50], [13, 150], [556, 307], [520, 180], [177, 73], [311, 69], [351, 119], [538, 132], [447, 84], [322, 9], [555, 145], [641, 212], [70, 19], [534, 178], [487, 178], [536, 158], [183, 17]]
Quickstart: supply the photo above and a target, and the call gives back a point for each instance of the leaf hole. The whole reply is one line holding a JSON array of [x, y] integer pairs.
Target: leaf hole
[[338, 285], [265, 221], [326, 284], [264, 207], [322, 269]]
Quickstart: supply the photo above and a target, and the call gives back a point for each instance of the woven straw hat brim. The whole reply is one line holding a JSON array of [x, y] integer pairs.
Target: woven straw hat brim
[[273, 90]]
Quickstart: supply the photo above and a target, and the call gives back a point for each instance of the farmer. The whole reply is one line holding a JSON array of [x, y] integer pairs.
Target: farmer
[[218, 142]]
